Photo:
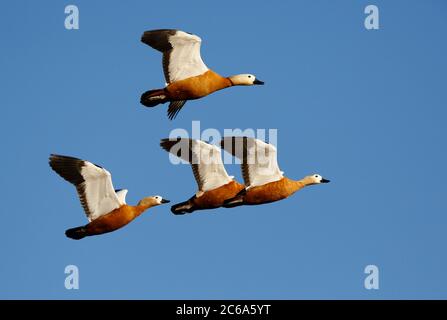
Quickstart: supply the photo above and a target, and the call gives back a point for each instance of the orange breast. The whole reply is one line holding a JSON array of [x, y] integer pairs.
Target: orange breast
[[197, 87], [215, 198], [114, 220], [270, 192]]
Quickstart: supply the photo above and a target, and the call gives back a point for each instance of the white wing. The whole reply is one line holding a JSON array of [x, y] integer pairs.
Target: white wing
[[205, 159], [185, 60], [93, 183], [121, 194], [181, 53], [259, 160]]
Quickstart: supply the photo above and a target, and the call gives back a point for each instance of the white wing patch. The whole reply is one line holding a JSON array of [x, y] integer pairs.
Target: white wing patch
[[205, 159], [121, 194], [99, 194], [211, 170], [259, 160], [185, 60], [262, 164]]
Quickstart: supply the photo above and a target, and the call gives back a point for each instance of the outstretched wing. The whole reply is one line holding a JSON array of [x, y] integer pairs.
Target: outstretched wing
[[181, 53], [259, 160], [205, 159], [93, 183]]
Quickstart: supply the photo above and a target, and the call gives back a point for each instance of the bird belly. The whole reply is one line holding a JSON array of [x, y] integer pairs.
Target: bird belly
[[112, 221], [216, 197], [270, 192], [196, 87]]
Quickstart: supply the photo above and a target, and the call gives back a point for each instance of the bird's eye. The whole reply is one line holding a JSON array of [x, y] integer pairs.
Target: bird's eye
[[249, 76]]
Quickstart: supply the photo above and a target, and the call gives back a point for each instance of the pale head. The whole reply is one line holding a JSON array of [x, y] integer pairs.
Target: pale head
[[152, 201], [316, 179], [245, 79]]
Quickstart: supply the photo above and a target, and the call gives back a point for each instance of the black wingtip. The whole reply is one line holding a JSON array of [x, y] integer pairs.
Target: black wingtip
[[166, 144], [67, 167], [174, 108], [158, 39], [54, 156]]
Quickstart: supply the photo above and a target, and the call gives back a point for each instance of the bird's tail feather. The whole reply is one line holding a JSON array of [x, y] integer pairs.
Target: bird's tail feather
[[76, 233], [182, 208], [234, 202], [153, 98]]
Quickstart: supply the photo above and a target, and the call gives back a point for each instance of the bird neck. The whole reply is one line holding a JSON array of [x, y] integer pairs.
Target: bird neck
[[300, 184], [139, 209], [229, 82], [216, 81]]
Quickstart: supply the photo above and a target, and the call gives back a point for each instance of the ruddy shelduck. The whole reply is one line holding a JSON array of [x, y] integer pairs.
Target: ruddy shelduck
[[214, 184], [264, 181], [105, 207], [187, 76]]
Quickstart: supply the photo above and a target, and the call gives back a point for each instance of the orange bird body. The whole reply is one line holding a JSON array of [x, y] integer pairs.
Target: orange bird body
[[187, 76], [104, 206]]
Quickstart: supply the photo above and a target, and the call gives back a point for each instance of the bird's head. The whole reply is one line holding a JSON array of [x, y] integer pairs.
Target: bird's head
[[245, 80], [152, 201], [315, 179]]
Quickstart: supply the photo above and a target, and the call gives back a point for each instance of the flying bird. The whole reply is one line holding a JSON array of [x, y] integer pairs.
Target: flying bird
[[187, 76], [264, 181], [214, 184], [105, 207]]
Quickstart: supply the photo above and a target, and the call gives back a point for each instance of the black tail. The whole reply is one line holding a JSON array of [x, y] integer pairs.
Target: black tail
[[182, 208], [152, 98], [76, 233], [234, 202]]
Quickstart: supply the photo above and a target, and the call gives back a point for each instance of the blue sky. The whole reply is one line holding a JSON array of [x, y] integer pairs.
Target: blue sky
[[366, 109]]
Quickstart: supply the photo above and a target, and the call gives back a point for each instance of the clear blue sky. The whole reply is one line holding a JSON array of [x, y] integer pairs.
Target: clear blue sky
[[366, 109]]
